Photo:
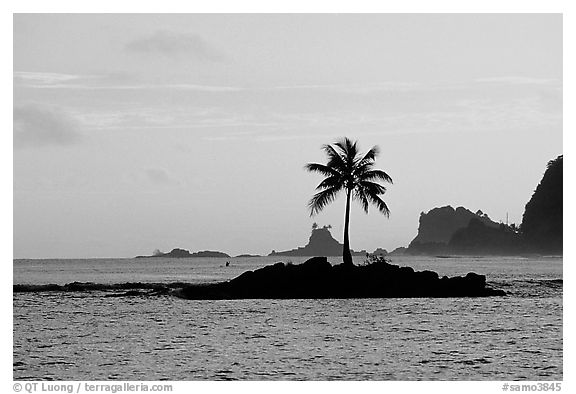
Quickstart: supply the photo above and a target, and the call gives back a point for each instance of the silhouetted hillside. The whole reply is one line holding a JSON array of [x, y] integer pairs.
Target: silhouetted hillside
[[399, 251], [542, 220], [437, 227], [321, 243], [479, 239], [459, 231]]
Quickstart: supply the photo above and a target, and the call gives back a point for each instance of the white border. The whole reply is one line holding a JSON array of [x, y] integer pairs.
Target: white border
[[248, 6]]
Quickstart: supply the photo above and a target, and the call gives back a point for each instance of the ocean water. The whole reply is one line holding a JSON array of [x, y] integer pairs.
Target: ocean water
[[88, 336]]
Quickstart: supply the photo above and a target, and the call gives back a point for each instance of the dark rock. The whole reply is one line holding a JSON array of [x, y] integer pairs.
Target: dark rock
[[542, 222], [400, 251], [183, 253], [209, 253], [479, 239], [476, 280], [439, 224], [321, 243], [446, 231], [315, 265], [179, 253], [406, 270], [437, 228], [36, 288], [154, 288], [380, 252], [317, 278]]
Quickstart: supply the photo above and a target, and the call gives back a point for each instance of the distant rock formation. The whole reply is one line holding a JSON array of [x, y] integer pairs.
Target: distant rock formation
[[317, 278], [380, 252], [542, 223], [321, 243], [247, 255], [183, 253], [439, 224], [400, 251], [448, 231], [479, 239], [437, 227]]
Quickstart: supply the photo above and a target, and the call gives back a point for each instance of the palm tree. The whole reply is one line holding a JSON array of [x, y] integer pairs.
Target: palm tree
[[347, 170]]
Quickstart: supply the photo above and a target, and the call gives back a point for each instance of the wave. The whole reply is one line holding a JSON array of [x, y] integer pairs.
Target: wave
[[533, 282], [131, 288], [516, 287], [531, 287]]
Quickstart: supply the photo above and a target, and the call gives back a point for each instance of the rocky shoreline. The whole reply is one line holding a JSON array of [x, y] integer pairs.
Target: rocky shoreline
[[317, 278]]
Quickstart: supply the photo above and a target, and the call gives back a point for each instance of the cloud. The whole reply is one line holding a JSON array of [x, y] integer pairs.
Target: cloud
[[176, 45], [32, 79], [42, 78], [179, 87], [517, 80], [36, 126]]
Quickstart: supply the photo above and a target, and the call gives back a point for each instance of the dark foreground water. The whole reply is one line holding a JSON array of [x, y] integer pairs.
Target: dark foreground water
[[86, 336]]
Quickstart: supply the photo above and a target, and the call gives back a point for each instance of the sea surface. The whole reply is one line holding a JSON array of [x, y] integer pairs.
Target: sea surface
[[88, 336]]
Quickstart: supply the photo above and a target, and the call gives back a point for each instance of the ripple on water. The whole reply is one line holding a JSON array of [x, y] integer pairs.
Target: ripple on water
[[403, 339]]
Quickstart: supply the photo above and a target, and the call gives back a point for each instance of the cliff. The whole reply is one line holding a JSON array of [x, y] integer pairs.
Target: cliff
[[437, 227], [439, 224], [448, 231], [542, 223], [320, 243]]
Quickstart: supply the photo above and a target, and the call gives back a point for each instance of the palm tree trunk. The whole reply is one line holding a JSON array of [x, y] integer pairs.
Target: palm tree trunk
[[346, 255]]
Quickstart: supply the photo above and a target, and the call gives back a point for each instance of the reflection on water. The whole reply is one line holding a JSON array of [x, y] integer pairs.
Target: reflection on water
[[71, 336]]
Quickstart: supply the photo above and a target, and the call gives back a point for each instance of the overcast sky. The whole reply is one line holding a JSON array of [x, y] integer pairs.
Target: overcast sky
[[136, 132]]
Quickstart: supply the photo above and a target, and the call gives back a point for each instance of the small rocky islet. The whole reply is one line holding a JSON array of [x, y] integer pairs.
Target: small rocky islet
[[317, 278]]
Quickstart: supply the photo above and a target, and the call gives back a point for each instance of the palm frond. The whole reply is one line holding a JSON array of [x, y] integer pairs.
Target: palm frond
[[375, 175], [336, 159], [349, 149], [372, 187], [331, 181], [342, 145], [322, 169], [380, 204], [323, 198], [369, 156], [360, 196], [361, 168]]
